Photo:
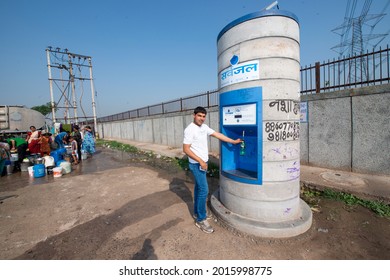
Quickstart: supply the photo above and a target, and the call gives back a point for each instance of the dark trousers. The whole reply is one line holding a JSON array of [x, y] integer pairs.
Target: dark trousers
[[22, 152], [79, 150]]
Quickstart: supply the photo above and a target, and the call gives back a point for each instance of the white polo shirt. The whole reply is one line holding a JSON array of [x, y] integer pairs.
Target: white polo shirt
[[196, 136]]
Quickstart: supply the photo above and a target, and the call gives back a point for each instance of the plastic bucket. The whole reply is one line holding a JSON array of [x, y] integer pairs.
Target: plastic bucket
[[39, 170], [9, 168], [57, 155], [31, 171], [14, 157], [49, 169], [66, 167], [49, 161], [24, 166], [57, 172]]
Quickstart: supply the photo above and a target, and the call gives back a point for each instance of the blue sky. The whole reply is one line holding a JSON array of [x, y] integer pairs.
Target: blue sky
[[144, 52]]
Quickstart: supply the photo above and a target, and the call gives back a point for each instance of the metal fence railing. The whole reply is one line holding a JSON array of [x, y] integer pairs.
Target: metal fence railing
[[208, 99], [365, 69], [361, 70]]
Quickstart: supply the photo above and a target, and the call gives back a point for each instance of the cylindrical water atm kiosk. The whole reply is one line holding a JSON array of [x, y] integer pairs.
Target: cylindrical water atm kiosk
[[259, 86]]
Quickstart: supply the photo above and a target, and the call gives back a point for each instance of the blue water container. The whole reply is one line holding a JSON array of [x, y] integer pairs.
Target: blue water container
[[62, 151], [39, 170], [58, 155], [55, 155]]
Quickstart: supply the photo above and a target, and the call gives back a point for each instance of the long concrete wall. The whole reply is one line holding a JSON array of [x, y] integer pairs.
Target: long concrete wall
[[164, 129], [345, 130], [348, 130]]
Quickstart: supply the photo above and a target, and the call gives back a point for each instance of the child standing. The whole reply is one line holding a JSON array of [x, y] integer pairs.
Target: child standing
[[73, 144]]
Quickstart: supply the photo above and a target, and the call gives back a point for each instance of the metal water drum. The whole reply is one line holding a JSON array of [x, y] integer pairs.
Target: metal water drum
[[262, 50], [33, 158]]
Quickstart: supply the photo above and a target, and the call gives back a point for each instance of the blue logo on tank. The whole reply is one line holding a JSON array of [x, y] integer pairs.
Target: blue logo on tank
[[234, 60]]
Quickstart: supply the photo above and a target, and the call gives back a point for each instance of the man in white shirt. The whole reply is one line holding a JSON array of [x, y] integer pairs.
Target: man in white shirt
[[196, 148]]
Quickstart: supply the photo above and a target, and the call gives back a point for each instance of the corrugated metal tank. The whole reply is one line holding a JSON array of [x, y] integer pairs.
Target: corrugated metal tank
[[19, 118]]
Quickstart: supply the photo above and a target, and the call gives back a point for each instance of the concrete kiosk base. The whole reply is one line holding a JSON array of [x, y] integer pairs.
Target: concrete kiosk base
[[262, 229]]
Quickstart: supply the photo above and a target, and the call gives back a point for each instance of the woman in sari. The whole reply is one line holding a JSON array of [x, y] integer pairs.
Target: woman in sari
[[33, 141], [88, 141]]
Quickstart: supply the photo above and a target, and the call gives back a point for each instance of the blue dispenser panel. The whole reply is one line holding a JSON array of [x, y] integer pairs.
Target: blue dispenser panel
[[241, 116]]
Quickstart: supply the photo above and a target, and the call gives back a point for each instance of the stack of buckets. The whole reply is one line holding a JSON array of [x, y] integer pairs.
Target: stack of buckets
[[53, 164]]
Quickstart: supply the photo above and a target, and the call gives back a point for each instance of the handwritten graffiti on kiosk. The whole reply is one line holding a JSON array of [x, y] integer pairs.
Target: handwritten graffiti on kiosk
[[286, 106], [281, 131]]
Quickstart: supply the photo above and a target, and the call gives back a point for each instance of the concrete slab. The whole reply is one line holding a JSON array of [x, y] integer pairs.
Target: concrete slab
[[262, 229]]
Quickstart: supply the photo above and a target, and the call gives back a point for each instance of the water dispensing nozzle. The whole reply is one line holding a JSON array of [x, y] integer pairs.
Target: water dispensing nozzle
[[242, 144]]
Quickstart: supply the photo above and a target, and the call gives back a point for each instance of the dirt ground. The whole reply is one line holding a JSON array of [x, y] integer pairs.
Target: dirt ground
[[121, 206]]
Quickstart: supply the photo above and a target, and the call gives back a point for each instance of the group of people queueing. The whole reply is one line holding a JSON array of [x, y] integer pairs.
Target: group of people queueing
[[79, 140], [41, 143]]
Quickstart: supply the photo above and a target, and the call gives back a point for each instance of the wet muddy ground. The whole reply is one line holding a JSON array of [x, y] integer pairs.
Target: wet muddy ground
[[120, 205]]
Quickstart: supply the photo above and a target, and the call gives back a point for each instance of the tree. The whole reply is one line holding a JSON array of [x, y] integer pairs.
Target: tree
[[43, 109]]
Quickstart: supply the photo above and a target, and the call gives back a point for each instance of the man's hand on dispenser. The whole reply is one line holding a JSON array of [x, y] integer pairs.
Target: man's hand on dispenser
[[237, 141]]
